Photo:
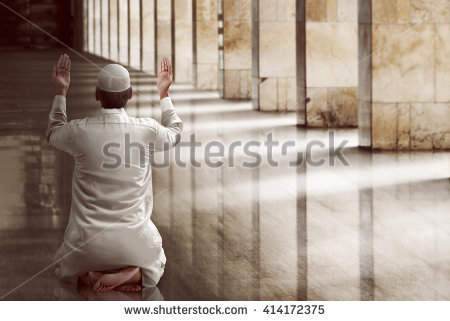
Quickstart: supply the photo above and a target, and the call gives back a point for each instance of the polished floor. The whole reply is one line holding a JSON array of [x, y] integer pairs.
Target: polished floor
[[377, 228]]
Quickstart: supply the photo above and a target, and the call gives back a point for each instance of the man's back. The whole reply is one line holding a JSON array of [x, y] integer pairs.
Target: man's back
[[112, 174], [108, 186]]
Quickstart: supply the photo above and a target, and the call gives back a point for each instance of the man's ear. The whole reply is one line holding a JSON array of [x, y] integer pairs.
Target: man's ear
[[131, 92], [97, 94]]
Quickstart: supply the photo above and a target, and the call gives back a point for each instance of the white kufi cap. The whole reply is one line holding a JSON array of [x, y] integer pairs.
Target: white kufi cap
[[113, 78]]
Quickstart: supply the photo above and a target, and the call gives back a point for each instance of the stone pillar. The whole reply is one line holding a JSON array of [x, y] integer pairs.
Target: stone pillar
[[183, 41], [300, 37], [163, 31], [134, 7], [90, 26], [104, 28], [123, 32], [148, 36], [331, 63], [404, 96], [274, 86], [206, 49], [113, 31], [79, 21], [237, 49], [97, 28]]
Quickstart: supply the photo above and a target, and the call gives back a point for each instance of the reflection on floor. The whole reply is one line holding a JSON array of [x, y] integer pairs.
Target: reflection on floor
[[69, 292], [377, 229]]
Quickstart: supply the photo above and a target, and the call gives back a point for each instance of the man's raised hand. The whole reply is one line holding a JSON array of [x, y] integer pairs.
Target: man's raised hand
[[164, 78], [61, 75]]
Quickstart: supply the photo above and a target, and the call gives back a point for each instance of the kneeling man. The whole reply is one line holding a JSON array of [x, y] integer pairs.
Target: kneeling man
[[110, 241]]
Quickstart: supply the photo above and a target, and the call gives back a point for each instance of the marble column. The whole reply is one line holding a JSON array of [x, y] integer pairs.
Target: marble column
[[134, 8], [104, 28], [78, 25], [148, 37], [237, 49], [274, 83], [206, 48], [331, 63], [183, 41], [404, 81], [123, 32], [97, 28], [113, 31], [164, 46], [90, 26], [85, 19], [87, 27]]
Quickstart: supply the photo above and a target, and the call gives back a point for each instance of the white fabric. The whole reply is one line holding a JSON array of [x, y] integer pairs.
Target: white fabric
[[112, 110], [113, 78], [166, 104], [109, 225]]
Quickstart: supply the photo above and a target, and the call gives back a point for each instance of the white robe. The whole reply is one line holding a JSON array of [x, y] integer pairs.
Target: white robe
[[112, 200]]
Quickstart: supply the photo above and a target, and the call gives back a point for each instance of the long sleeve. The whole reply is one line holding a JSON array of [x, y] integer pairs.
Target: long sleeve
[[58, 129], [169, 132]]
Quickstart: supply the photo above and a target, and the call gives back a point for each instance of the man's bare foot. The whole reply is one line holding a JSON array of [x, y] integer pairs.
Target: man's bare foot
[[110, 281], [90, 278]]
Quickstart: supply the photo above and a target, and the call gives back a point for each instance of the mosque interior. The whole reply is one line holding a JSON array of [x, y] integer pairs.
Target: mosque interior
[[356, 204]]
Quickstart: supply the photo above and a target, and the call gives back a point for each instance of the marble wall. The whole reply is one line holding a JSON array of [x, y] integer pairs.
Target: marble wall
[[237, 49], [206, 51], [183, 41], [406, 100], [274, 83], [331, 63]]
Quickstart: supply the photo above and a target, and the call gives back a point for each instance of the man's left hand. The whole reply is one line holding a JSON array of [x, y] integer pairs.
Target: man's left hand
[[61, 75]]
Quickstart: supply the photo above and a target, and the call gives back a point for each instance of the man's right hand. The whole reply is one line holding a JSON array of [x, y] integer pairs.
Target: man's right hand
[[164, 78], [61, 75]]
